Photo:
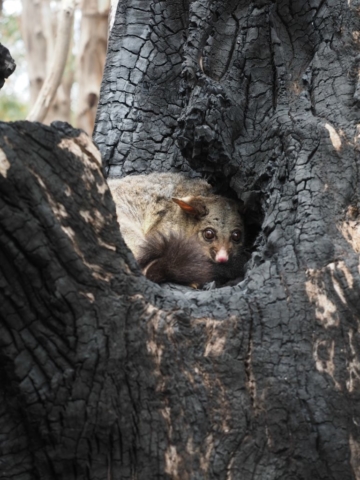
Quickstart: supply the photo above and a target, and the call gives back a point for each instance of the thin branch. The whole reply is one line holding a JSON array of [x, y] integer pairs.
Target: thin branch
[[53, 79]]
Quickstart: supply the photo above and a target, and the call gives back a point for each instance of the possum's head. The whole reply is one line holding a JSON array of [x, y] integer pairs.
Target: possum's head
[[217, 223]]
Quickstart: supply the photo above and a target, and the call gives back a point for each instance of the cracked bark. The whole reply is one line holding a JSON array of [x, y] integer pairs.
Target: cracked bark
[[106, 375]]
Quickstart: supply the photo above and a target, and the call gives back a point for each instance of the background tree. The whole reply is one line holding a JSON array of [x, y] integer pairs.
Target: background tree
[[40, 44], [106, 375], [51, 98], [77, 94], [91, 60]]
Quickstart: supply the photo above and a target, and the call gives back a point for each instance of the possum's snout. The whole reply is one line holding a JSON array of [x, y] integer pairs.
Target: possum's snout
[[222, 256]]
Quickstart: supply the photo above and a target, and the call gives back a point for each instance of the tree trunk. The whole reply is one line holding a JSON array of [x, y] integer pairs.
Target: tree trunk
[[91, 60], [38, 26], [108, 376], [36, 39], [261, 98]]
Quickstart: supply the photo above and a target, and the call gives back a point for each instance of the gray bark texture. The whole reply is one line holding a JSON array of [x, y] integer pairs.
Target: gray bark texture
[[105, 375]]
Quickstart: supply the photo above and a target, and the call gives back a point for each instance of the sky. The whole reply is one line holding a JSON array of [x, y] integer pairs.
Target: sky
[[11, 6]]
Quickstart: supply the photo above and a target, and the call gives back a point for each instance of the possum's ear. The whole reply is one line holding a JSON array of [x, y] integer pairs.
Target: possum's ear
[[194, 206]]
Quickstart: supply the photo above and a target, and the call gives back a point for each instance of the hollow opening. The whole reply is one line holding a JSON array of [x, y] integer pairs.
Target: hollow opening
[[186, 230]]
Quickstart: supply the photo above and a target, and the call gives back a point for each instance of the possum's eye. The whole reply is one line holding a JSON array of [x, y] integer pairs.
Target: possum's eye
[[236, 236], [208, 234]]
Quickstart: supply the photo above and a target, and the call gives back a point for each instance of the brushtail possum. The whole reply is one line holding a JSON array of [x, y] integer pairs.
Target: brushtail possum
[[177, 229]]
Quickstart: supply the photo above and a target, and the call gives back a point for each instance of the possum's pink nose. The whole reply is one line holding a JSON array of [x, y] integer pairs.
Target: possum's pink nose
[[222, 256]]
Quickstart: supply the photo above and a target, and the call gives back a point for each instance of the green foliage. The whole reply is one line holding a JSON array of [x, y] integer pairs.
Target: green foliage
[[14, 94], [11, 107], [11, 36]]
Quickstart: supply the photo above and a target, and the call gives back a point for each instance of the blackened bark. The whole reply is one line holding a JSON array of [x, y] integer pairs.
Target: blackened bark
[[7, 64], [66, 291], [262, 98], [106, 375]]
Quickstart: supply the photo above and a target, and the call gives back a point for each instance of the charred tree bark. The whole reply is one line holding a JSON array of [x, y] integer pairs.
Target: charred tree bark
[[106, 375], [263, 98], [62, 308], [7, 64]]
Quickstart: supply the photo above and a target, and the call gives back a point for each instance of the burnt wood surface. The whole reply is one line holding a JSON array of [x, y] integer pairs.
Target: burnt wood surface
[[261, 98], [105, 375], [7, 64]]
